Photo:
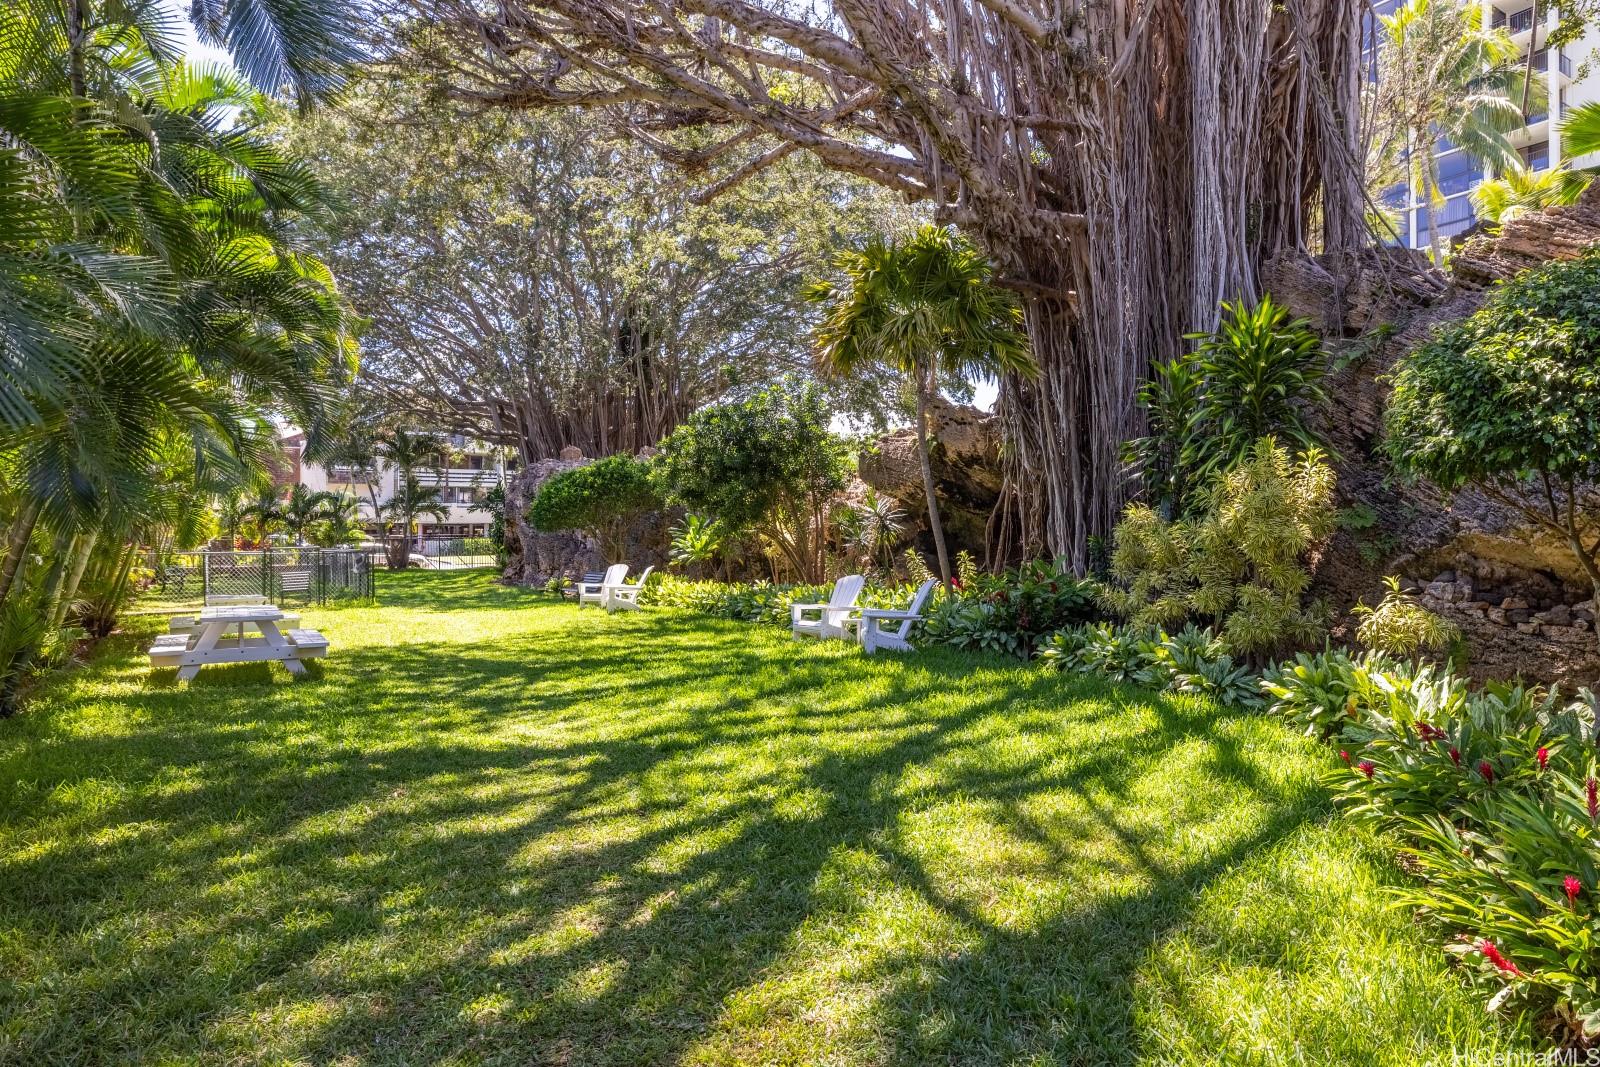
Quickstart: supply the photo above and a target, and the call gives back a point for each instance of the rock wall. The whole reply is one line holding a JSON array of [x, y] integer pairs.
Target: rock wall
[[965, 456], [1471, 558], [533, 557]]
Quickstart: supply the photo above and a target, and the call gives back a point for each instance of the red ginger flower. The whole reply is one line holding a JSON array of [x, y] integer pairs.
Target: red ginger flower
[[1430, 732], [1485, 769], [1497, 959], [1594, 801], [1572, 887], [1455, 756], [1344, 755], [1365, 767], [1543, 756]]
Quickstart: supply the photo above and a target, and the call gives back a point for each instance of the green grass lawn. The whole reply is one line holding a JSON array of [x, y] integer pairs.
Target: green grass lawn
[[491, 829]]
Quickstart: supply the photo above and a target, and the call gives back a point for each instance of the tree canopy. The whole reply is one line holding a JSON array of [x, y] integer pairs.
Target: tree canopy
[[535, 280]]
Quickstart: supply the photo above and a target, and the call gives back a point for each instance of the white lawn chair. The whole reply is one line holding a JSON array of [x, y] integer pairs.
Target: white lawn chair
[[827, 620], [625, 597], [596, 593], [870, 628]]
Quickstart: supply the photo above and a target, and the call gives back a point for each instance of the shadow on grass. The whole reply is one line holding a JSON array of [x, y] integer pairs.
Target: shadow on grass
[[587, 845]]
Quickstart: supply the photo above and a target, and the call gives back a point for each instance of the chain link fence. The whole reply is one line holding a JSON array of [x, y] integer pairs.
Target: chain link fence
[[302, 576]]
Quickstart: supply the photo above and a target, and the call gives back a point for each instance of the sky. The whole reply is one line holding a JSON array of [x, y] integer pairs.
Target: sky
[[199, 53]]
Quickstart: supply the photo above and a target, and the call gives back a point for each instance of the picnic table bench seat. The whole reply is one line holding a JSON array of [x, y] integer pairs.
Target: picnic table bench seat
[[310, 644]]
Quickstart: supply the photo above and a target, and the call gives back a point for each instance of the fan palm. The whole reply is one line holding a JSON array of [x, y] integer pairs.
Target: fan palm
[[926, 307], [1446, 76]]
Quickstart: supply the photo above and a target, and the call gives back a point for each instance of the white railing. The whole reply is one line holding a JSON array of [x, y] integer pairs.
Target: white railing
[[461, 479]]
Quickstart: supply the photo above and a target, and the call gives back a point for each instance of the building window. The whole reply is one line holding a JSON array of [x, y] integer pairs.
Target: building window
[[1536, 156]]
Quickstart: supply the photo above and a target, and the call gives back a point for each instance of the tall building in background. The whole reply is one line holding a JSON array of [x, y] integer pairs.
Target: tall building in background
[[1538, 142]]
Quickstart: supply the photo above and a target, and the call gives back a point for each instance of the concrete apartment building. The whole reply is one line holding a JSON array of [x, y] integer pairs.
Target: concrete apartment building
[[463, 474], [1538, 142]]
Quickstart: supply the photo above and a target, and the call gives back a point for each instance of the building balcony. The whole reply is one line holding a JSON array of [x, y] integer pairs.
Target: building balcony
[[457, 477], [342, 475]]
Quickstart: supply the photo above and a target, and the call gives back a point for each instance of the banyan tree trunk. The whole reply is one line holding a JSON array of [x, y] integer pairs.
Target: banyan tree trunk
[[1128, 163]]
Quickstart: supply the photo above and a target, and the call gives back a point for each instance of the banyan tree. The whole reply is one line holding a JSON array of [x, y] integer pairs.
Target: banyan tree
[[1128, 163]]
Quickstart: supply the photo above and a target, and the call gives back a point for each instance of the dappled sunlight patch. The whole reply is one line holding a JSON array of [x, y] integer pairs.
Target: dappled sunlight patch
[[496, 829], [1288, 948]]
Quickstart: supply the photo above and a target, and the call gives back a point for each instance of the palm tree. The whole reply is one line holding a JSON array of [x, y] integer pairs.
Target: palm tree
[[1580, 133], [1521, 190], [265, 509], [1443, 75], [411, 501], [341, 521], [303, 507], [926, 307]]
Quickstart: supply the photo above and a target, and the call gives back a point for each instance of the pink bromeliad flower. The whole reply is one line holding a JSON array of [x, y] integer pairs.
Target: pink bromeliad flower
[[1543, 756], [1572, 887], [1497, 959], [1487, 770], [1366, 767]]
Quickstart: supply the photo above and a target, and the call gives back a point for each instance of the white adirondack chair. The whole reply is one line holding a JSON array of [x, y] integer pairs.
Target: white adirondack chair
[[596, 594], [872, 626], [827, 620], [625, 597]]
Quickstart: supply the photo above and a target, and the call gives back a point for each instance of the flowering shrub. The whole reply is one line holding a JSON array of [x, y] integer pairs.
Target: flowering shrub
[[1493, 795], [1011, 612]]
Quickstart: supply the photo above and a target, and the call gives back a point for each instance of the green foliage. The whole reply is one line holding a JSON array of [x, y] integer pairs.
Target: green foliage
[[1010, 612], [1510, 393], [1508, 400], [1260, 374], [1493, 795], [769, 464], [494, 502], [1240, 562], [599, 498], [1401, 626], [1193, 660], [869, 528], [695, 541]]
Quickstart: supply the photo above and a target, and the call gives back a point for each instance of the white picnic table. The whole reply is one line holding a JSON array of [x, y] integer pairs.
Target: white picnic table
[[210, 642]]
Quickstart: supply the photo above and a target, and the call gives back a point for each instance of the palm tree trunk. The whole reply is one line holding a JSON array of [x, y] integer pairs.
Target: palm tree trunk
[[1430, 187], [924, 384], [17, 545], [82, 551], [1527, 70]]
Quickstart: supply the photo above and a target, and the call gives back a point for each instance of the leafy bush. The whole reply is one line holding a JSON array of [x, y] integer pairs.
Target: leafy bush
[[769, 464], [1010, 612], [1508, 400], [1402, 626], [1193, 660], [599, 498], [1260, 374], [1493, 795], [1239, 564]]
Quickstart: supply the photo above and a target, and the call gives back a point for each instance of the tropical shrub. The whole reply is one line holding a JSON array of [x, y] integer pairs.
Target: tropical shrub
[[1493, 795], [600, 498], [695, 542], [1240, 563], [1402, 626], [1508, 401], [1193, 660], [756, 601], [769, 464], [1258, 375], [1010, 612]]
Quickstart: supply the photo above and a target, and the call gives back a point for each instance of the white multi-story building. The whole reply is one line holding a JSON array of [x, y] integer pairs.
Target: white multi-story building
[[1538, 142], [463, 473]]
